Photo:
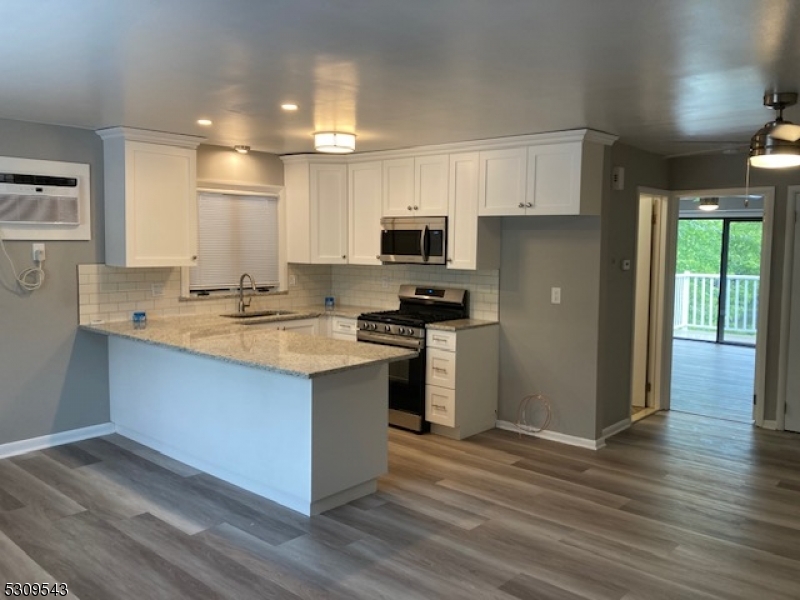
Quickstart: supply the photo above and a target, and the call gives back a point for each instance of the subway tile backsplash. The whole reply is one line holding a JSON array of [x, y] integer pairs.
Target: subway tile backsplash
[[378, 285], [114, 293]]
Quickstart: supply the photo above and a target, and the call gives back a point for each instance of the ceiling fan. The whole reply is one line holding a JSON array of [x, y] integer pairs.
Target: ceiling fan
[[775, 146]]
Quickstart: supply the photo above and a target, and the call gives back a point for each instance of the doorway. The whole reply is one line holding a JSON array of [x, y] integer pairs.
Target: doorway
[[717, 297], [655, 299]]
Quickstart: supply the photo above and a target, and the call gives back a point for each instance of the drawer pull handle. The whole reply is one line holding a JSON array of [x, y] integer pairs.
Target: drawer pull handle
[[439, 339], [441, 407], [440, 370]]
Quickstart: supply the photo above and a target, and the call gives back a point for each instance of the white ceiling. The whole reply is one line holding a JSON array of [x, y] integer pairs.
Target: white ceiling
[[664, 75]]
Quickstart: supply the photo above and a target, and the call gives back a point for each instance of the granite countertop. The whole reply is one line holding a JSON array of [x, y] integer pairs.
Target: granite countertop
[[296, 354], [460, 324]]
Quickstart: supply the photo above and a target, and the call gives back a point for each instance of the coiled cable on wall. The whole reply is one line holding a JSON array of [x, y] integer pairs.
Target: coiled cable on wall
[[24, 279], [527, 403]]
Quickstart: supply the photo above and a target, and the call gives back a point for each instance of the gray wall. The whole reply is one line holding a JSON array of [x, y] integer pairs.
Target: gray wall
[[577, 353], [549, 348], [52, 377], [721, 171], [618, 240], [224, 164]]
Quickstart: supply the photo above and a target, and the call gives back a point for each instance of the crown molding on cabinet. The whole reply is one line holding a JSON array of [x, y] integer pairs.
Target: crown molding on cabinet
[[131, 134]]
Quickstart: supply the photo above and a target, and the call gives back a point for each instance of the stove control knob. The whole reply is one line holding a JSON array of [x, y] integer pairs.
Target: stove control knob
[[402, 330], [409, 332], [373, 326], [387, 328]]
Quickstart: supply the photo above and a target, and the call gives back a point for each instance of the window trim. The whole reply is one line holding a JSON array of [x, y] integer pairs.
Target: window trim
[[234, 188]]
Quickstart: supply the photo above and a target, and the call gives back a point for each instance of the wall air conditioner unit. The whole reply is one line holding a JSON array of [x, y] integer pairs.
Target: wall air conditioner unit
[[39, 199], [44, 200]]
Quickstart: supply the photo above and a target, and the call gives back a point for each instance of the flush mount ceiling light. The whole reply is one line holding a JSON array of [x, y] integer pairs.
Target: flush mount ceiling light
[[242, 149], [289, 106], [776, 146], [204, 122], [334, 142], [708, 204]]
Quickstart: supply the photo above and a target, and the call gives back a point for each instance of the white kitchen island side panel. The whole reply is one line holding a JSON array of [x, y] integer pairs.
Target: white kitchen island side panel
[[252, 427]]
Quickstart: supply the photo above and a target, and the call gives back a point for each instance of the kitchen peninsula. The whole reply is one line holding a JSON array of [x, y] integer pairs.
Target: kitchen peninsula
[[298, 419]]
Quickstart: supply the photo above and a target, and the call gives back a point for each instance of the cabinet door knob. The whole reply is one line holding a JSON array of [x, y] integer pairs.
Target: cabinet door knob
[[194, 257], [344, 255], [529, 204], [416, 208], [409, 207], [521, 205]]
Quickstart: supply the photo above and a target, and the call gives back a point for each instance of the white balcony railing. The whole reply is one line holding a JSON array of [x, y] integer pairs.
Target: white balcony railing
[[697, 297]]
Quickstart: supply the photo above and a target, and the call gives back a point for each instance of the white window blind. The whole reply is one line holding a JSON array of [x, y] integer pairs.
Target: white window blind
[[238, 234]]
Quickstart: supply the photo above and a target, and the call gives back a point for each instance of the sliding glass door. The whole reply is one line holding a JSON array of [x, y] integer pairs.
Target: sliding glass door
[[717, 279]]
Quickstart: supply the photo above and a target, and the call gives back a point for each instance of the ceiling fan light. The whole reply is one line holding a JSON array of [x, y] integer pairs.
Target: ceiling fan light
[[767, 152], [709, 204], [334, 142]]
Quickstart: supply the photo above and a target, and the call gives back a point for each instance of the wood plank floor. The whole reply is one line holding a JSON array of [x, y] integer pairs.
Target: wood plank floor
[[677, 507], [714, 380]]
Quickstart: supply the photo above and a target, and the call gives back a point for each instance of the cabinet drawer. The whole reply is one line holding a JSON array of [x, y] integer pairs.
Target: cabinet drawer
[[444, 340], [343, 326], [441, 368], [440, 405]]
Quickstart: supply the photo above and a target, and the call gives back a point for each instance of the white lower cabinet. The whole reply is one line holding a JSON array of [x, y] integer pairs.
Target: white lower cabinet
[[343, 328], [461, 380]]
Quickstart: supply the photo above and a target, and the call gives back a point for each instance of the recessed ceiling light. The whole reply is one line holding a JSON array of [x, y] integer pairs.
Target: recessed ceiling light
[[204, 122], [289, 106], [241, 149]]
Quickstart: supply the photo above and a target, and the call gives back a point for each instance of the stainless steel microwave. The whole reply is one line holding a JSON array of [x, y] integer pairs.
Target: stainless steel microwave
[[415, 240]]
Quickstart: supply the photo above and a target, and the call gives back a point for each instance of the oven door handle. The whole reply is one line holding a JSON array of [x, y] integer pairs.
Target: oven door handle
[[423, 244], [390, 340]]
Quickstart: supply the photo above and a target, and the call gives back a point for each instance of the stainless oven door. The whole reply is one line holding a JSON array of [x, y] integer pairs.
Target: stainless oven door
[[406, 391]]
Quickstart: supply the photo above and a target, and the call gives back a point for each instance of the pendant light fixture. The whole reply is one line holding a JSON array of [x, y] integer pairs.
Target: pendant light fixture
[[334, 142], [776, 145]]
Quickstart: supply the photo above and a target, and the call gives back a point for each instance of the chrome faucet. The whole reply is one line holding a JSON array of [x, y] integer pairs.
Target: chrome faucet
[[242, 304]]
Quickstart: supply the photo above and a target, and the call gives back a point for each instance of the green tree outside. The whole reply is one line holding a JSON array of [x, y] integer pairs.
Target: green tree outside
[[699, 252]]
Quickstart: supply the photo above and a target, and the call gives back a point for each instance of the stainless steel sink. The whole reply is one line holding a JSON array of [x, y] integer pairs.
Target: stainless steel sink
[[258, 313]]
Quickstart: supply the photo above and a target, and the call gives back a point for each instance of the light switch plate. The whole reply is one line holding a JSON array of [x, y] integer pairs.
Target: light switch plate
[[555, 295]]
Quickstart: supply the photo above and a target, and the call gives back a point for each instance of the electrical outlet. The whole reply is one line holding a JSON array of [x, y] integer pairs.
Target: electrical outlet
[[38, 252], [555, 295], [157, 290]]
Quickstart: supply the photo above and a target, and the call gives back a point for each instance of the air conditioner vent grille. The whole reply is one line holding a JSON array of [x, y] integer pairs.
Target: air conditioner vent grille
[[39, 209]]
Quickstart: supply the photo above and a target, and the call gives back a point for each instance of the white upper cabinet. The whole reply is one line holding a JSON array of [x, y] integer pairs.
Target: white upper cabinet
[[503, 175], [552, 177], [316, 211], [472, 243], [150, 198], [365, 190], [328, 213], [398, 187], [430, 185], [415, 186]]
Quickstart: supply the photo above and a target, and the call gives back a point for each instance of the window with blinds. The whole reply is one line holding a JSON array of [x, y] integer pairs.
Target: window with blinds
[[238, 234]]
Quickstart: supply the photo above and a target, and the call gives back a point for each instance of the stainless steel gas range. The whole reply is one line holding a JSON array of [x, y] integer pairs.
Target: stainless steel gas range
[[405, 327]]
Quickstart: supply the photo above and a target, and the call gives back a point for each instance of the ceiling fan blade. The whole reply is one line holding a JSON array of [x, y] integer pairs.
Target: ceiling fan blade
[[788, 132]]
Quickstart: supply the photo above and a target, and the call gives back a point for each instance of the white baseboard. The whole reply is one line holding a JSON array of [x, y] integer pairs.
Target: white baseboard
[[55, 439], [554, 436], [773, 425], [616, 428]]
